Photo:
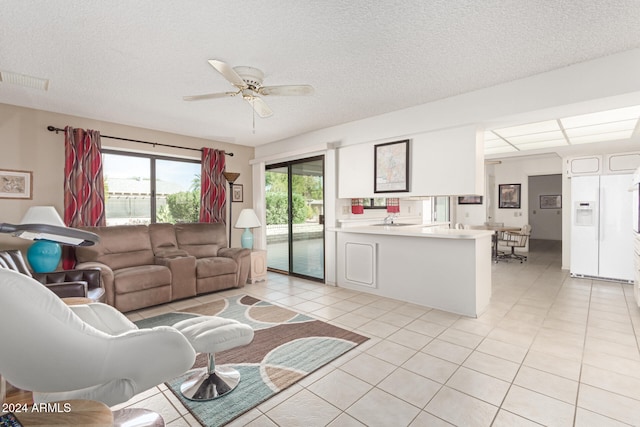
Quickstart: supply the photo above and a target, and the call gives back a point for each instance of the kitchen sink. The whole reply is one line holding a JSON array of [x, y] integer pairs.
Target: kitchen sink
[[393, 224]]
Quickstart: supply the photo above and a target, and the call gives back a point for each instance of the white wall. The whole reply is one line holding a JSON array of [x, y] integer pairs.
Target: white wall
[[469, 214], [518, 171]]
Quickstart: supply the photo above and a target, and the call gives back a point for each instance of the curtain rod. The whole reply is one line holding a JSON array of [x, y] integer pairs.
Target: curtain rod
[[56, 130]]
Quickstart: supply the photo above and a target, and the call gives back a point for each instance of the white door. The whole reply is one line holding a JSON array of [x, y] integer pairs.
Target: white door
[[584, 225], [616, 228]]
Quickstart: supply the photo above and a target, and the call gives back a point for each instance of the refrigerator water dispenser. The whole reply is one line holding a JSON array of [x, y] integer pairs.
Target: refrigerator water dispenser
[[585, 213]]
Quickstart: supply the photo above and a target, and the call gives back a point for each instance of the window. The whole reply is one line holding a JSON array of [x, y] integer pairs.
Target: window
[[375, 203], [143, 189], [436, 209]]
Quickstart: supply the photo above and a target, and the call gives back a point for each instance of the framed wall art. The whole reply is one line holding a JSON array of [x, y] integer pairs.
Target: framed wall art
[[551, 202], [391, 167], [237, 193], [509, 196], [469, 200], [15, 184]]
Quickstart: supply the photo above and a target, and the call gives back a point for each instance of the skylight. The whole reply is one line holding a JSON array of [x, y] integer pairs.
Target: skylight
[[602, 126]]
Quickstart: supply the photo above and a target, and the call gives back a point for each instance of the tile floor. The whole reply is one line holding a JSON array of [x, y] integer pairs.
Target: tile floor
[[550, 350]]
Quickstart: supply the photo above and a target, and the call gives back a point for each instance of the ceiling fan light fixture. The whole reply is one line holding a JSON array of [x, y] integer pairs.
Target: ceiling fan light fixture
[[247, 94], [252, 76]]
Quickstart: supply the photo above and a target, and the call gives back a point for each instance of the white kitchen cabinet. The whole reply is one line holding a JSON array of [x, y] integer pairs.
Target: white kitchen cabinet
[[440, 268], [448, 162]]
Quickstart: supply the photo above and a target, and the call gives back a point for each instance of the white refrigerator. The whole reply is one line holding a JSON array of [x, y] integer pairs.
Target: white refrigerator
[[601, 227]]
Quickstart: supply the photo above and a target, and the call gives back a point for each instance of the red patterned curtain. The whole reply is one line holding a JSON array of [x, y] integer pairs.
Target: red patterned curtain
[[213, 194], [83, 182]]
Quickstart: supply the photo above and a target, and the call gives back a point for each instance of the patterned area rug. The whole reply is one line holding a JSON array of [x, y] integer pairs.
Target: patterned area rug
[[286, 347]]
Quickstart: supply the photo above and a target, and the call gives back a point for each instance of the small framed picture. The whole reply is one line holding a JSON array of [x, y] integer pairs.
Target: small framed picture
[[15, 184], [551, 202], [237, 193], [509, 196], [469, 200]]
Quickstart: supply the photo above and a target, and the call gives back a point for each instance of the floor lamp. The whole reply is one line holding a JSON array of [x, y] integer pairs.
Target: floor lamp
[[231, 177]]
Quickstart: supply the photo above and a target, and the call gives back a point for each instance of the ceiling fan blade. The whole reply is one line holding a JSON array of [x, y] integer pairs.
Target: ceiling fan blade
[[259, 106], [228, 73], [209, 96], [287, 90]]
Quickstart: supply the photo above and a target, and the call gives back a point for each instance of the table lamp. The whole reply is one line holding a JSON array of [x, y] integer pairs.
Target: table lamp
[[44, 225], [247, 220]]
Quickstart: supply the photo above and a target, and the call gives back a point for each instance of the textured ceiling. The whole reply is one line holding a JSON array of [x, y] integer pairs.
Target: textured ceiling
[[131, 62]]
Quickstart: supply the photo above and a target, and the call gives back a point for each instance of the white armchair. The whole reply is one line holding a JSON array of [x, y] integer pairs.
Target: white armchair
[[85, 352]]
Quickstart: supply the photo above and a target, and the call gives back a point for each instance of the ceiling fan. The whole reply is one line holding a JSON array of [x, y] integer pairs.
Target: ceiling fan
[[248, 83]]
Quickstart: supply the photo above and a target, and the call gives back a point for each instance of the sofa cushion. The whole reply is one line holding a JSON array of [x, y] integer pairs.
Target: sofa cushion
[[133, 279], [120, 246], [163, 241], [202, 240], [210, 267]]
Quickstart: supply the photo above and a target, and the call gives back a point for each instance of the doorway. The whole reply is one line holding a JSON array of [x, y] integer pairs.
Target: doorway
[[294, 193], [545, 206]]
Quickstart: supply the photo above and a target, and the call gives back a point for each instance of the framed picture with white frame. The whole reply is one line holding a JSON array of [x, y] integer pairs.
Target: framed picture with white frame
[[16, 184]]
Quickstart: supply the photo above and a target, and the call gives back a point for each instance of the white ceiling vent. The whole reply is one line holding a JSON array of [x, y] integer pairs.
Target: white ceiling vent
[[23, 80]]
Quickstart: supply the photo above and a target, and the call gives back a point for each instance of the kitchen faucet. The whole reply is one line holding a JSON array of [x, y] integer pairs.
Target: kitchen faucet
[[390, 218]]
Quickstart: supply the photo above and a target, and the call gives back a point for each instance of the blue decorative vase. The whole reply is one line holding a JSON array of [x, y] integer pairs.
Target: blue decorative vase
[[44, 256], [247, 239]]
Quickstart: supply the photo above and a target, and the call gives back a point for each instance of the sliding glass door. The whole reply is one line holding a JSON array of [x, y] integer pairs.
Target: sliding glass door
[[295, 217], [277, 203], [307, 202]]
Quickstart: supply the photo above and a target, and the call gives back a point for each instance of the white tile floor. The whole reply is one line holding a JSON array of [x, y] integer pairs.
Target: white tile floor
[[550, 350]]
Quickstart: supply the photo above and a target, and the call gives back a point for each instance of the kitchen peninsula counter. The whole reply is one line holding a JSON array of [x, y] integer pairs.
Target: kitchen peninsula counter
[[437, 267]]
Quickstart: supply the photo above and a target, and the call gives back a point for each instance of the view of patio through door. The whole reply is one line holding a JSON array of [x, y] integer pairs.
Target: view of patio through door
[[295, 217]]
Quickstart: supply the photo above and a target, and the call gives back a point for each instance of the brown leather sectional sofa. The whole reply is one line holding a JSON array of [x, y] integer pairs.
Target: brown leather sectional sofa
[[142, 266]]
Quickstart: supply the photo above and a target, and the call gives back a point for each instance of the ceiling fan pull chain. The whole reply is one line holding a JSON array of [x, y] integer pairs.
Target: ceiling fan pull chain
[[253, 107]]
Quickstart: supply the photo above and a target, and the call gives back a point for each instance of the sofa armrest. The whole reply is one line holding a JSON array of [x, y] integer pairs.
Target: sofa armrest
[[106, 279], [89, 275], [235, 253], [69, 289], [242, 257]]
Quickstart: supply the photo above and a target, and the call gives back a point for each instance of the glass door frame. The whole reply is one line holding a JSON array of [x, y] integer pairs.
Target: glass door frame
[[289, 164]]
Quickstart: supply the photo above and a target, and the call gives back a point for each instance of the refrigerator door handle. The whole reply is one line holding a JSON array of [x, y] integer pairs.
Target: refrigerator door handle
[[601, 197]]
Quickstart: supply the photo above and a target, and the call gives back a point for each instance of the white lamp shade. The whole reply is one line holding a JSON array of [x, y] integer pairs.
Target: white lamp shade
[[247, 219], [42, 215]]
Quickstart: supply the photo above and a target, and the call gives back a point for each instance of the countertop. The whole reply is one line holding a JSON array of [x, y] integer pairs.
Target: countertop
[[415, 230]]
